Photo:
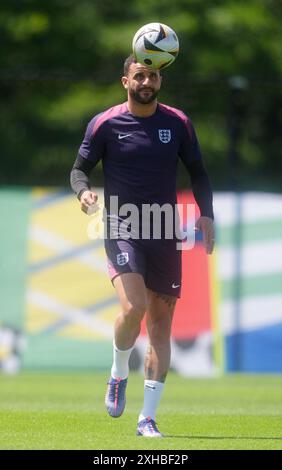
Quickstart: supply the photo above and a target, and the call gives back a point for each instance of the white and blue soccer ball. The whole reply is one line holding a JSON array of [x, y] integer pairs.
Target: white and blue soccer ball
[[155, 45]]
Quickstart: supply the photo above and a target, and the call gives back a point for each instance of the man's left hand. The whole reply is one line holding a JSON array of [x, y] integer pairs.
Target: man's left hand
[[206, 226]]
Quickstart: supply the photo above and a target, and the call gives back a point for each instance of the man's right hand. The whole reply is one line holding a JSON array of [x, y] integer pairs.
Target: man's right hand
[[87, 199]]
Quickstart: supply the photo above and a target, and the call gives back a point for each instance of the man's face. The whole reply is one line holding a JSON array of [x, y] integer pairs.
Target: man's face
[[142, 83]]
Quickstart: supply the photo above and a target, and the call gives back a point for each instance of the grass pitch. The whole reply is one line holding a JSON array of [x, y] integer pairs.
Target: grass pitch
[[66, 411]]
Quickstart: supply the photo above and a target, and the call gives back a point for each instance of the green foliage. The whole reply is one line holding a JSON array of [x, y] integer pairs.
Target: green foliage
[[61, 62]]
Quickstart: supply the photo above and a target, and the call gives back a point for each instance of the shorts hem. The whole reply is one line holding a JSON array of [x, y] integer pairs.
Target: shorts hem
[[126, 272], [164, 291]]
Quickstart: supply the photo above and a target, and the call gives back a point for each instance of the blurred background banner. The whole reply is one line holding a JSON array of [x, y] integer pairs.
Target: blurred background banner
[[56, 293], [60, 64]]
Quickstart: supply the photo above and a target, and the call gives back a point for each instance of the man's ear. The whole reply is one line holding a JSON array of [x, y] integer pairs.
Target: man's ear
[[124, 81]]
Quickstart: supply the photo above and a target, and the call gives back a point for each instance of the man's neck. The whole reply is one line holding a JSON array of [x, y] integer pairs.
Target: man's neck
[[141, 110]]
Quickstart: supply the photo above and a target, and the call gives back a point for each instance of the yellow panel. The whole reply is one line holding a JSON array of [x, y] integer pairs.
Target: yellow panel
[[38, 193], [101, 252], [37, 319], [65, 219], [79, 332], [69, 283], [215, 319], [109, 314], [72, 283], [37, 252]]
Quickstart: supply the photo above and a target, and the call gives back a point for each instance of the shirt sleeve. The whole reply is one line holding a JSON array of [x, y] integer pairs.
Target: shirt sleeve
[[191, 156], [189, 148], [79, 177], [201, 188], [89, 154], [93, 144]]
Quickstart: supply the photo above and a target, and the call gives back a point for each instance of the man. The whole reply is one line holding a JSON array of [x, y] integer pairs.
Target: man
[[139, 143]]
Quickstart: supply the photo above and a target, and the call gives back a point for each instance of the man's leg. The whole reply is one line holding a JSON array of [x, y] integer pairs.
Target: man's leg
[[159, 318], [132, 294]]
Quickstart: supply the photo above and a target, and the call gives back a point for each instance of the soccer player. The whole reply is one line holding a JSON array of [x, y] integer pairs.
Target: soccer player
[[139, 143]]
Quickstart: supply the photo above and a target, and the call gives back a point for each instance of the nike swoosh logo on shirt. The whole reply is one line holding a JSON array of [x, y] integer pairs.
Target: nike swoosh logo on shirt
[[175, 286], [122, 136]]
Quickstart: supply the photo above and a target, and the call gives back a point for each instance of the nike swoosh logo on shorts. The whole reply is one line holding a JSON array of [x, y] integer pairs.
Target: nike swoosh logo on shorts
[[174, 286], [122, 136]]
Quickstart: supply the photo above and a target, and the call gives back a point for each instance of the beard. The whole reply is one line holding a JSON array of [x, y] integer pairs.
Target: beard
[[136, 96]]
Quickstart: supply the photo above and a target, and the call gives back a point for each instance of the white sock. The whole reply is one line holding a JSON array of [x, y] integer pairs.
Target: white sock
[[152, 395], [120, 369]]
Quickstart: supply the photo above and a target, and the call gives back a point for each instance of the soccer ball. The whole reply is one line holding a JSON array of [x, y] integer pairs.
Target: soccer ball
[[155, 45]]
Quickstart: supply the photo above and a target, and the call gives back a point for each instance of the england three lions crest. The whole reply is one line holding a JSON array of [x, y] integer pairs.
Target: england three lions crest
[[165, 135], [122, 258]]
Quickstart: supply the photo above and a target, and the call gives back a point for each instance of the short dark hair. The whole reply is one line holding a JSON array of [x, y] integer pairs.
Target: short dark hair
[[131, 59]]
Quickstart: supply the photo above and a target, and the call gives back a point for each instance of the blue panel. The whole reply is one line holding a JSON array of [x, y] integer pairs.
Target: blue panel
[[255, 351]]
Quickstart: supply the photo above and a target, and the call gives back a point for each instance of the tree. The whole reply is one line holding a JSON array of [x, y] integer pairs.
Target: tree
[[61, 61]]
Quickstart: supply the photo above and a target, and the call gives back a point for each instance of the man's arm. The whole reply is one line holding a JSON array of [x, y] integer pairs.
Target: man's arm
[[202, 191], [90, 152], [79, 179], [190, 154], [201, 188]]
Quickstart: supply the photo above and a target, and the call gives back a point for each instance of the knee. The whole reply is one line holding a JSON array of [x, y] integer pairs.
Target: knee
[[134, 311]]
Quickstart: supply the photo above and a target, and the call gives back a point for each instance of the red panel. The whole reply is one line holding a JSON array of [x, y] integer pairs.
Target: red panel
[[192, 314], [193, 309]]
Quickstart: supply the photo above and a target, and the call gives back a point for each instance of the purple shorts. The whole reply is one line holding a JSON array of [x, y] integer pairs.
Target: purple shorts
[[158, 261]]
